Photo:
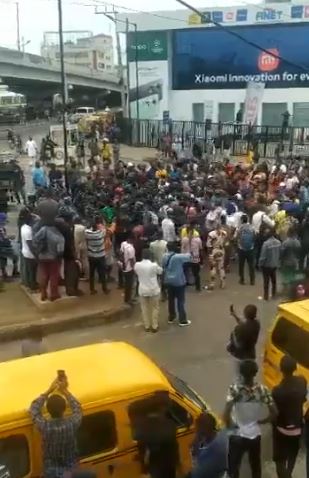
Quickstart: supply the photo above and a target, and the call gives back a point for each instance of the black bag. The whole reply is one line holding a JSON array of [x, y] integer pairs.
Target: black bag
[[231, 347]]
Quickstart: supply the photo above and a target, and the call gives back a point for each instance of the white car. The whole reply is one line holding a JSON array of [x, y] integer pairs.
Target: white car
[[80, 112]]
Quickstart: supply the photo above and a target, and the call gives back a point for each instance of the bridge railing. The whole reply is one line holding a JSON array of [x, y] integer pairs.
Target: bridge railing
[[36, 61], [238, 138]]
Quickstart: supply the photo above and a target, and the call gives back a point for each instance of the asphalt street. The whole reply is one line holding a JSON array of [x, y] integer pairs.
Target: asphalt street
[[197, 353]]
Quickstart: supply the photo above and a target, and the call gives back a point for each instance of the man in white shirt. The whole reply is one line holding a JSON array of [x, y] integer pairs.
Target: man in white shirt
[[246, 409], [168, 227], [158, 248], [261, 217], [29, 261], [127, 262], [80, 244], [31, 148], [291, 181], [149, 290]]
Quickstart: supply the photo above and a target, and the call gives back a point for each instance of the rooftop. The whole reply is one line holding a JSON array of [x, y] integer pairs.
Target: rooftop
[[101, 372], [299, 309]]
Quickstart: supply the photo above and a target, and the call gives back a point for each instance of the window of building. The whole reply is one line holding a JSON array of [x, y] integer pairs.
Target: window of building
[[198, 112], [14, 455], [292, 340], [301, 114], [97, 434], [226, 112], [272, 113]]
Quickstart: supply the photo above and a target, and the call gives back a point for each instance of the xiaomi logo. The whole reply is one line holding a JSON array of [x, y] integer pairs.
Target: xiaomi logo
[[267, 62]]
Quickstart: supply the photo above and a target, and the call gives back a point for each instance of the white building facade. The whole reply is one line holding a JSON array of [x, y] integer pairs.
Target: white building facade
[[189, 69], [92, 51]]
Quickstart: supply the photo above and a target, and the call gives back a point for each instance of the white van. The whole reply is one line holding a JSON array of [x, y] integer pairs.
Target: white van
[[82, 111]]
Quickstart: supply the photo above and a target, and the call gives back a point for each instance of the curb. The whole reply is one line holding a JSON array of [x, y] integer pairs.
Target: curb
[[50, 325]]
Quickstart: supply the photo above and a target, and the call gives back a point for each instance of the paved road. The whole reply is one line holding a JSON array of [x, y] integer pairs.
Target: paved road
[[197, 354]]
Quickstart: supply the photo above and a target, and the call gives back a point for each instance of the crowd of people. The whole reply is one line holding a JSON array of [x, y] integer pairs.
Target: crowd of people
[[176, 216], [155, 228]]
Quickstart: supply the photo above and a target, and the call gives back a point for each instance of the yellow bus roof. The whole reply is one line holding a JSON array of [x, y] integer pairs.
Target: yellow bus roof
[[100, 372], [299, 308]]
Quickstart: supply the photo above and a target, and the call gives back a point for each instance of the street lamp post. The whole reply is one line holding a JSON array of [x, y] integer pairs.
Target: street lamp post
[[17, 26], [63, 93], [136, 74], [110, 16]]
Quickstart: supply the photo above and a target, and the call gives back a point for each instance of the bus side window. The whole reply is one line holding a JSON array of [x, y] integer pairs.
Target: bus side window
[[148, 406], [97, 434], [15, 455]]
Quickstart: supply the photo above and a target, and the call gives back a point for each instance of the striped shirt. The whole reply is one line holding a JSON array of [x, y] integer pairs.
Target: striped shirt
[[95, 243]]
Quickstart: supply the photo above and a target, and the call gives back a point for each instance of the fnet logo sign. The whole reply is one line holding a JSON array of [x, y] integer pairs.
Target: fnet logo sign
[[268, 62]]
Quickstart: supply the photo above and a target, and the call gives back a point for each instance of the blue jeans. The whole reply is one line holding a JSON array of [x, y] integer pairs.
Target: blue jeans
[[176, 294]]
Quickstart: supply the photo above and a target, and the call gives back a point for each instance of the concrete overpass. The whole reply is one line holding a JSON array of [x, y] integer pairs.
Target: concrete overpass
[[36, 76]]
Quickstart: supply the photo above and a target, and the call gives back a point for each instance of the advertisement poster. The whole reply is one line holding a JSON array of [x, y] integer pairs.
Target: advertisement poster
[[253, 102], [150, 46], [211, 58], [152, 91]]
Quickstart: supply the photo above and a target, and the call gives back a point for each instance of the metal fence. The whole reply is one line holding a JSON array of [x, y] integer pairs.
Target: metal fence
[[237, 138]]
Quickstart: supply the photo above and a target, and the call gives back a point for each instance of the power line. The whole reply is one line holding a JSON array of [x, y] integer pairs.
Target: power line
[[101, 3]]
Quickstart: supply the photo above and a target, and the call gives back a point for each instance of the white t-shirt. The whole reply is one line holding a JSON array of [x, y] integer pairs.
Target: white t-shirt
[[168, 230], [260, 217], [291, 182], [26, 235], [147, 273], [128, 252], [31, 148]]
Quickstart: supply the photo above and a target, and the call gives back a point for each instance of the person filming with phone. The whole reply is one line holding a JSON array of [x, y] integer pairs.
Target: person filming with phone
[[245, 335], [59, 432]]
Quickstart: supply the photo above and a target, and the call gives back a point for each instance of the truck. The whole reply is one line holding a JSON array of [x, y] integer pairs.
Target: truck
[[12, 106]]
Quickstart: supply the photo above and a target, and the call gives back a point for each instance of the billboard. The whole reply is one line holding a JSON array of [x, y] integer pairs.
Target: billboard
[[151, 46], [212, 58], [152, 92]]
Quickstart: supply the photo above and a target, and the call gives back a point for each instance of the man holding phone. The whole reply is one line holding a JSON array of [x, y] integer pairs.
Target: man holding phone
[[59, 432], [245, 335]]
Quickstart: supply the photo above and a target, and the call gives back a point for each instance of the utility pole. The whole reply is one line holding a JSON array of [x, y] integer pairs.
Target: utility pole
[[63, 93], [119, 57], [17, 26], [128, 69], [136, 75]]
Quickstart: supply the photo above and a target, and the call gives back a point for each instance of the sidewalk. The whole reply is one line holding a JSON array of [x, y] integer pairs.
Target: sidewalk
[[18, 313], [132, 153]]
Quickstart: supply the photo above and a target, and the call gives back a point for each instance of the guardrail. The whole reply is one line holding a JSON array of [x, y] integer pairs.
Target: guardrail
[[238, 138], [39, 62]]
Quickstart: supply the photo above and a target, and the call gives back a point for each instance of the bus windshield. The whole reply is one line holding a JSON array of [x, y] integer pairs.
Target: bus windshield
[[183, 389]]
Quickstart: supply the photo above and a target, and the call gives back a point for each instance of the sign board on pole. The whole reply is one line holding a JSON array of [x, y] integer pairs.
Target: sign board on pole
[[253, 101], [166, 116], [150, 45]]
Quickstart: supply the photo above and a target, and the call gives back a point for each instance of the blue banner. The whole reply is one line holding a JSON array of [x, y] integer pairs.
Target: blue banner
[[212, 58]]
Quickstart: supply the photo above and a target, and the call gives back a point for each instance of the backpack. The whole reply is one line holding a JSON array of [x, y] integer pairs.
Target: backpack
[[49, 243], [246, 239]]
